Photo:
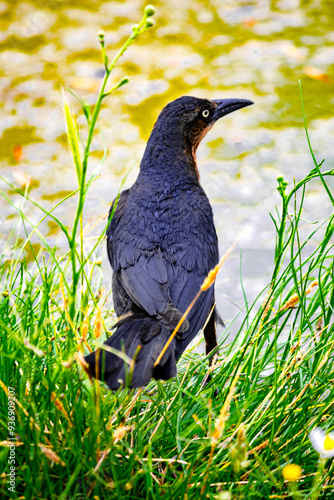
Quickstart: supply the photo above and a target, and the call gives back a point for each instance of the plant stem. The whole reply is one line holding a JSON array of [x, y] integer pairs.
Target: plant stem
[[136, 31]]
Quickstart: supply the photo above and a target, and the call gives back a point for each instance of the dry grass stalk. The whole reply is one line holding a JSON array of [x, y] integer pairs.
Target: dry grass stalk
[[294, 299], [208, 281]]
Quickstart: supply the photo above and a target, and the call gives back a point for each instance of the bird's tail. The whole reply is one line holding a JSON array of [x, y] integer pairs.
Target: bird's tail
[[141, 339]]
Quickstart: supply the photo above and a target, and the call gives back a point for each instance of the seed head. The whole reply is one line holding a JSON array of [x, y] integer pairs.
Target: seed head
[[149, 11]]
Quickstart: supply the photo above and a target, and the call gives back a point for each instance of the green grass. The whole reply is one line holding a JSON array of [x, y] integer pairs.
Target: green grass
[[180, 440]]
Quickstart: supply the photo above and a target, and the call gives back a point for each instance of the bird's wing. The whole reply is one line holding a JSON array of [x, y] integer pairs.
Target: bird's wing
[[185, 281], [196, 256], [153, 280], [137, 261], [146, 283]]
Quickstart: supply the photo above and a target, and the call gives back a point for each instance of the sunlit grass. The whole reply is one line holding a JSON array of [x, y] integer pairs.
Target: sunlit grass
[[79, 440], [177, 439]]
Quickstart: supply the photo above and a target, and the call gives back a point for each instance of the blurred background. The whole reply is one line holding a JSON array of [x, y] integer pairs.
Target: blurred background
[[215, 49]]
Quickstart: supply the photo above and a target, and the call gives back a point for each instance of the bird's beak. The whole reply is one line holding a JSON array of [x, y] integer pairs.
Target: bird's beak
[[226, 106]]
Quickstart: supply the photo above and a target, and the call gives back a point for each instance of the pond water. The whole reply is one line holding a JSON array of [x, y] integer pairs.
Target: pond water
[[215, 49]]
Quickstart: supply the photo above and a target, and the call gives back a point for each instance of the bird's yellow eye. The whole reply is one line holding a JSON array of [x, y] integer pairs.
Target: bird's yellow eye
[[205, 113]]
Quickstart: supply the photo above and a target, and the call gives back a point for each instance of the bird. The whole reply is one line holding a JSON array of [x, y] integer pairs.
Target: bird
[[161, 244]]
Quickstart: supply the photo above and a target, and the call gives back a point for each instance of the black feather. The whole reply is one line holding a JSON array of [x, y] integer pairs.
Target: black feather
[[131, 337]]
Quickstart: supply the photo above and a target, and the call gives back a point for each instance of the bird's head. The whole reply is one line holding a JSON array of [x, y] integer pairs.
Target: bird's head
[[192, 117], [181, 126]]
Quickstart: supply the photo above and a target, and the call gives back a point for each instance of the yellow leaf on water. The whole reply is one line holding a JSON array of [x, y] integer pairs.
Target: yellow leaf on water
[[88, 84], [17, 152], [317, 74], [250, 22]]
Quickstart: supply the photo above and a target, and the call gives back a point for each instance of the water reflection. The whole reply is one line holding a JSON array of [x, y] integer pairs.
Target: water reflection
[[255, 50]]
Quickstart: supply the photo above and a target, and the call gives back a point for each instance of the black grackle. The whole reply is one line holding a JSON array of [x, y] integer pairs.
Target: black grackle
[[161, 244]]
